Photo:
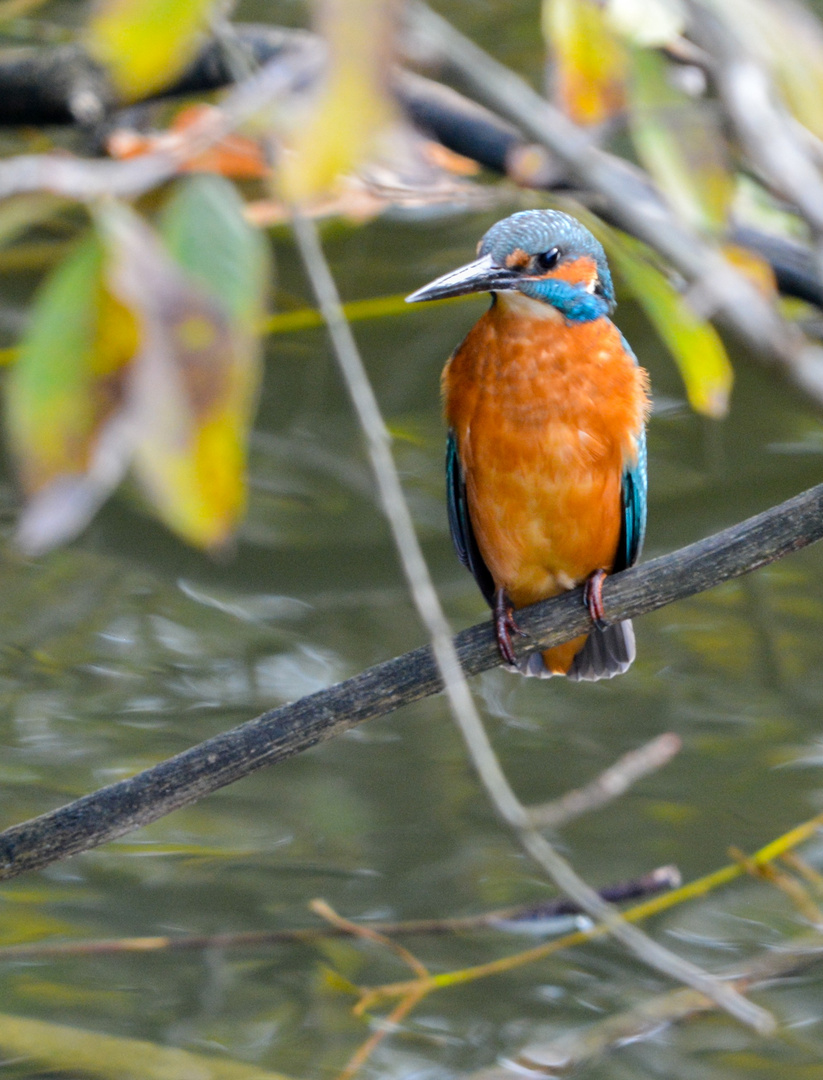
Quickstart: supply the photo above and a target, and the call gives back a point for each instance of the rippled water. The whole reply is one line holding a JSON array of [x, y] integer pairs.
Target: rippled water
[[128, 647]]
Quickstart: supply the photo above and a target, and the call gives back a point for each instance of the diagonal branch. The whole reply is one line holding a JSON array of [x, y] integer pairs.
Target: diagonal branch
[[279, 733]]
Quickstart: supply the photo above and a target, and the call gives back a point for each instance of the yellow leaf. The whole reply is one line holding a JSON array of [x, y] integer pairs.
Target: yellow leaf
[[194, 380], [352, 106], [145, 44], [757, 269], [589, 60]]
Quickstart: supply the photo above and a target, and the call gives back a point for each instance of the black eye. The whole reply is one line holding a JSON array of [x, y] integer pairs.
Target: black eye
[[547, 260]]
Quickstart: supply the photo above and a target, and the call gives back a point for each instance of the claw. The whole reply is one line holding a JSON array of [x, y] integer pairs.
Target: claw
[[593, 598], [505, 626]]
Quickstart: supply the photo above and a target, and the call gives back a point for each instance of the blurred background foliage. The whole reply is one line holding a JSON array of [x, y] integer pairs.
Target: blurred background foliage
[[338, 140]]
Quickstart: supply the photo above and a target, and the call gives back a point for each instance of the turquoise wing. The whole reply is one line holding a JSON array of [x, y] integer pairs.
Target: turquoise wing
[[634, 497], [460, 524]]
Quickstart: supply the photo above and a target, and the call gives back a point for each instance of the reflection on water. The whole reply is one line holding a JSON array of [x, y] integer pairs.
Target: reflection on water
[[128, 647]]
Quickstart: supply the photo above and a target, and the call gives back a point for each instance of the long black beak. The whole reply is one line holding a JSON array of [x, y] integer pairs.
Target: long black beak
[[479, 276]]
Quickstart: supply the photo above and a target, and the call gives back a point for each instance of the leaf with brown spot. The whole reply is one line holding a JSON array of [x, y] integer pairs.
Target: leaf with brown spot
[[194, 380]]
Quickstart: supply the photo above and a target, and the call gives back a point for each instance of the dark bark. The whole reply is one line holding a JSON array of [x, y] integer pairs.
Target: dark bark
[[62, 85], [276, 735]]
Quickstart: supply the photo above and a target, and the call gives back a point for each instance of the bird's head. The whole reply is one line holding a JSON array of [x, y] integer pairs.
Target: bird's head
[[545, 255]]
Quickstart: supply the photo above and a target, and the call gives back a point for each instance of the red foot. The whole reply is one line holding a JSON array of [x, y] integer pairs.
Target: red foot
[[505, 626], [593, 598]]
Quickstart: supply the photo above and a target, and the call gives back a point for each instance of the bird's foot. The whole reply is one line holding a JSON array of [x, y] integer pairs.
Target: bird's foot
[[593, 598], [505, 626]]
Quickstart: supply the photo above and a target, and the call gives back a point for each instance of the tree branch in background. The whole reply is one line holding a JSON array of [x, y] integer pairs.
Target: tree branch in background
[[511, 919], [632, 200], [609, 785]]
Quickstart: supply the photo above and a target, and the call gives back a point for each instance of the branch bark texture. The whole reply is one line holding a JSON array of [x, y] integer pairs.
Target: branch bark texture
[[129, 804]]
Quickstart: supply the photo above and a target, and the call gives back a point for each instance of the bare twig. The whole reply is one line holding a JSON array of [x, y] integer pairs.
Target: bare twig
[[795, 890], [399, 517], [368, 933], [644, 910], [575, 1048], [509, 919], [385, 1027], [609, 785]]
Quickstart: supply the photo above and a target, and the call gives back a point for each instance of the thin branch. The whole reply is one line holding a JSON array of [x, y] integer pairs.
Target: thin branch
[[576, 1048], [646, 909], [764, 129], [610, 785], [400, 521], [509, 920], [279, 733]]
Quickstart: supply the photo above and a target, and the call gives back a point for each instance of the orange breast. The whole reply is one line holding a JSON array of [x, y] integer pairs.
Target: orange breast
[[546, 416]]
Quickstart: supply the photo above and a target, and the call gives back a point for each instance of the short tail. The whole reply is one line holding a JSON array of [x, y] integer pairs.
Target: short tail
[[607, 652]]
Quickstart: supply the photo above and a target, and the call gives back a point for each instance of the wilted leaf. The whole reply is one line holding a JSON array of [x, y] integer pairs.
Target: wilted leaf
[[694, 343], [680, 142], [352, 107], [145, 44], [194, 379], [64, 399], [233, 155], [589, 60]]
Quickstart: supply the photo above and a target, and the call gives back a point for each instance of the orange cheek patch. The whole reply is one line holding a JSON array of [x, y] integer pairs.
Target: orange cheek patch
[[518, 259], [582, 271]]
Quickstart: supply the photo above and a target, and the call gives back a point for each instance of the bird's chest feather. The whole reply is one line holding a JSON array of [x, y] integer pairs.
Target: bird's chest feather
[[546, 415]]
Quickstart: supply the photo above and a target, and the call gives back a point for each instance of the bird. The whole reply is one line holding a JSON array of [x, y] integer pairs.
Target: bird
[[546, 406]]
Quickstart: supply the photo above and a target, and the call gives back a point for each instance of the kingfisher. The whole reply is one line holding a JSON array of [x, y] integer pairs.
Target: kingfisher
[[546, 406]]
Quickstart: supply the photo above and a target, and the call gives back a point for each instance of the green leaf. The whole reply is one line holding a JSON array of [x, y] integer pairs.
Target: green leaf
[[64, 399], [680, 142], [205, 230], [693, 342], [352, 107], [145, 44]]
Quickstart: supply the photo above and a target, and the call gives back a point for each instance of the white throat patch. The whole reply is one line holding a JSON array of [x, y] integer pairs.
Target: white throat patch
[[524, 306]]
